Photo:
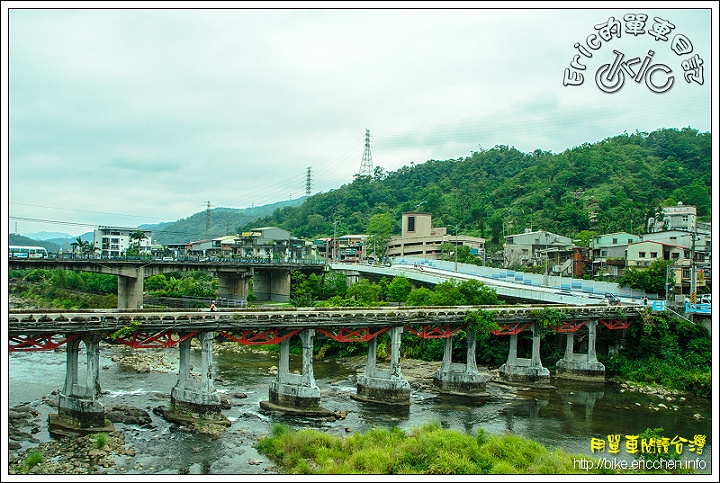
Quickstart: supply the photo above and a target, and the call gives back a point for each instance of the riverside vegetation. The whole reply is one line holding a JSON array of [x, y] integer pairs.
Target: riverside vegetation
[[428, 449]]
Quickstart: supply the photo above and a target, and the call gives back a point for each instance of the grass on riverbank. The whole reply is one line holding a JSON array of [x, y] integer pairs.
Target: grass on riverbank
[[425, 450]]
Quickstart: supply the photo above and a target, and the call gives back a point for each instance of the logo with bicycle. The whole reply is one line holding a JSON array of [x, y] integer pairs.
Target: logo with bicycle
[[658, 77]]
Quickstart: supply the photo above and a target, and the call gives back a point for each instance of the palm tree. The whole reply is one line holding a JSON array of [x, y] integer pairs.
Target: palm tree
[[135, 239], [137, 236], [80, 245]]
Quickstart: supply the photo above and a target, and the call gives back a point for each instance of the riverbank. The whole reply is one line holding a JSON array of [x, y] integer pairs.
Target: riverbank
[[129, 449]]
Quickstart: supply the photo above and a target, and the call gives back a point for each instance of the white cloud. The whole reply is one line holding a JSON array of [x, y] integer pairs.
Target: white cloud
[[149, 113]]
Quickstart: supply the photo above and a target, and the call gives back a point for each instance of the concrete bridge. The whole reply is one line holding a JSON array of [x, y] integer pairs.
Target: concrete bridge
[[80, 407], [271, 280]]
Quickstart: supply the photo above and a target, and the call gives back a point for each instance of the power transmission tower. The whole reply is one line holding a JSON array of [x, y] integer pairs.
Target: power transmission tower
[[308, 180], [207, 218], [366, 167]]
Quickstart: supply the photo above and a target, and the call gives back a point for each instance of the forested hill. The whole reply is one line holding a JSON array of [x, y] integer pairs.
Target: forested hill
[[609, 186]]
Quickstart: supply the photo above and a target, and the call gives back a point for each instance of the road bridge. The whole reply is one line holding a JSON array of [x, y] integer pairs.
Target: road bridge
[[516, 287], [271, 280], [80, 403]]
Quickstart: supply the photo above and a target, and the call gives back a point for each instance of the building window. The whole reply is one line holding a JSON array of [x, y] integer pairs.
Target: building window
[[614, 241], [603, 253], [411, 223], [653, 254], [675, 256], [641, 254]]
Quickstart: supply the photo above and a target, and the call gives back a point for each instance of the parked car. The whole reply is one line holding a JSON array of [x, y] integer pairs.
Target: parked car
[[705, 299]]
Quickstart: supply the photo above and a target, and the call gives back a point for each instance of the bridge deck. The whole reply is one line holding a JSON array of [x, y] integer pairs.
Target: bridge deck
[[45, 322]]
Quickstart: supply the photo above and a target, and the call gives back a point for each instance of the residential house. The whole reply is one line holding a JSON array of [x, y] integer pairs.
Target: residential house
[[350, 248], [538, 248], [113, 241], [678, 217], [270, 243], [608, 252]]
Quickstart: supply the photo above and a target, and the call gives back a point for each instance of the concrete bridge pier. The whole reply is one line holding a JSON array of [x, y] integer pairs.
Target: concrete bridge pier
[[79, 406], [130, 288], [462, 379], [273, 285], [296, 391], [194, 399], [523, 370], [386, 386], [575, 400], [581, 366], [233, 285]]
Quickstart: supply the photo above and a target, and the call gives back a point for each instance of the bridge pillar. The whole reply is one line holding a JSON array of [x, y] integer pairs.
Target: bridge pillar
[[194, 399], [297, 391], [581, 366], [384, 385], [462, 379], [523, 370], [130, 290], [269, 284], [233, 285], [79, 407], [573, 400]]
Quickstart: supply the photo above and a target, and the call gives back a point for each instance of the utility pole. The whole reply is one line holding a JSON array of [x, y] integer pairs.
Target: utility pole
[[207, 218], [334, 252], [366, 167], [456, 246]]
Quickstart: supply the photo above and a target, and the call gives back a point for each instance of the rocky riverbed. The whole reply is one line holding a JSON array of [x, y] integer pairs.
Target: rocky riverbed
[[111, 453]]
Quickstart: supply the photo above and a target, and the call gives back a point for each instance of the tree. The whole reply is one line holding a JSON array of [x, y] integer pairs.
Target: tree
[[136, 238], [584, 237], [364, 292], [379, 230], [399, 288], [651, 279], [420, 297], [80, 246]]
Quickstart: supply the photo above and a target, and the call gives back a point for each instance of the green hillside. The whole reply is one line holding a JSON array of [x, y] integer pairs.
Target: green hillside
[[221, 221], [612, 185], [14, 239]]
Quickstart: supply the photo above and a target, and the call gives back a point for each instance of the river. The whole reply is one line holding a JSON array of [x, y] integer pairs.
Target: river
[[567, 415]]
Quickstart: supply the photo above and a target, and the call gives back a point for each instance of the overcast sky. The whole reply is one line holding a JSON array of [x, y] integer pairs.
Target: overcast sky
[[122, 116]]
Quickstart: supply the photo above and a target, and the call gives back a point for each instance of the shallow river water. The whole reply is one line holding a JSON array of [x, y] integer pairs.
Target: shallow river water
[[568, 415]]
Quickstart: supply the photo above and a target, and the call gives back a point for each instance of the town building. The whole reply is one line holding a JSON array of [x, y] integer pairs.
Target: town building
[[350, 248], [113, 241], [609, 251], [270, 243], [539, 247], [678, 217], [420, 239]]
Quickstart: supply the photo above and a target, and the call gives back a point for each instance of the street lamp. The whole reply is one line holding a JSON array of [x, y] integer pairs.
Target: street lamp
[[456, 245]]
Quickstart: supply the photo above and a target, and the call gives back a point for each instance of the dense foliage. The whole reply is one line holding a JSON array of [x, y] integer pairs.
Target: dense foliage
[[425, 450], [612, 185], [664, 349], [194, 284], [64, 288]]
